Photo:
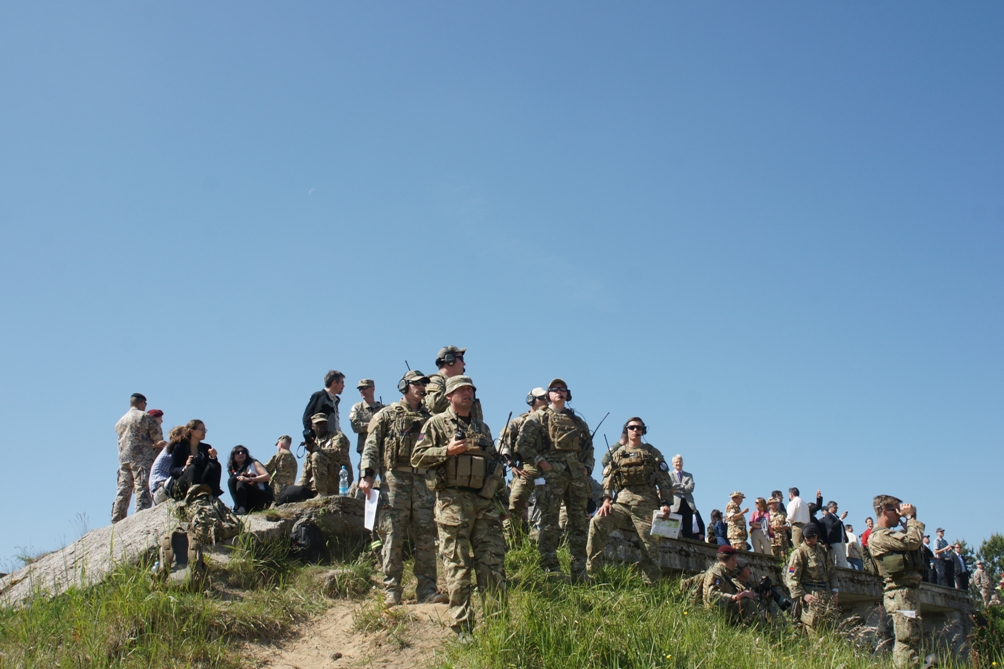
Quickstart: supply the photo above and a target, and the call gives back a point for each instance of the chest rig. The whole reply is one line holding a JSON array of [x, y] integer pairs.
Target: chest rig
[[633, 467], [564, 432], [402, 437]]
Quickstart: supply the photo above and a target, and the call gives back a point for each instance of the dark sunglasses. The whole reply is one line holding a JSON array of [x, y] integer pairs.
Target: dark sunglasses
[[240, 452], [636, 427], [419, 383]]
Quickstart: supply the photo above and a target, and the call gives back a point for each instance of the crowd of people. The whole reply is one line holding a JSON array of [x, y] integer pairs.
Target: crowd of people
[[443, 487]]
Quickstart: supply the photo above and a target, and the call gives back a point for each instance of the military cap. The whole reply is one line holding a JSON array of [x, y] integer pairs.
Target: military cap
[[319, 418], [365, 383], [455, 382], [413, 375], [534, 394], [742, 563], [810, 531], [449, 349], [773, 500], [727, 550], [557, 383], [156, 413], [737, 494], [940, 529]]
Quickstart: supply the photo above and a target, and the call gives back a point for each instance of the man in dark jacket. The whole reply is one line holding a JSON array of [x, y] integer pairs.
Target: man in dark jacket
[[326, 401], [835, 537]]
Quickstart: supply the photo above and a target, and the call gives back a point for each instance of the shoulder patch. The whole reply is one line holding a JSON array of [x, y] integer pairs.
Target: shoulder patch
[[663, 466], [718, 581], [791, 569]]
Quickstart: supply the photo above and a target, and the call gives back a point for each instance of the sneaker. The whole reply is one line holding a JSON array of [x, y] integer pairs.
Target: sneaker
[[392, 598]]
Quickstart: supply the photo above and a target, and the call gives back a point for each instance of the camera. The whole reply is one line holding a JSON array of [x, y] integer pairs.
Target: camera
[[766, 589]]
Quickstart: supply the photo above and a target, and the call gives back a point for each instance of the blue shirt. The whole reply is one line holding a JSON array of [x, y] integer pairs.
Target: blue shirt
[[160, 471]]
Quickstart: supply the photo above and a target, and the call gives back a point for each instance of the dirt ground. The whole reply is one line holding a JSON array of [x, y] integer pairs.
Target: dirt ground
[[422, 630]]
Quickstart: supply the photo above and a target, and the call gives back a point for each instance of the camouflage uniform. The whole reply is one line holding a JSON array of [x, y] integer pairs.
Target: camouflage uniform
[[138, 431], [282, 467], [981, 581], [563, 440], [811, 570], [902, 584], [719, 587], [470, 526], [520, 488], [321, 468], [779, 543], [737, 528], [437, 402], [640, 477], [360, 416], [406, 504]]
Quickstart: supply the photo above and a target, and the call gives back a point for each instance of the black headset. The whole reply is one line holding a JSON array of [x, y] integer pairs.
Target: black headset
[[644, 428], [402, 385]]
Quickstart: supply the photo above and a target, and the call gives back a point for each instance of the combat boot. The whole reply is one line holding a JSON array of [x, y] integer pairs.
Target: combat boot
[[197, 570], [392, 598]]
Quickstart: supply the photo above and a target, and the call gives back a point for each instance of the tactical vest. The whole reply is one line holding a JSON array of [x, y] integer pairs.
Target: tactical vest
[[564, 432], [402, 437], [633, 467], [901, 563], [474, 471]]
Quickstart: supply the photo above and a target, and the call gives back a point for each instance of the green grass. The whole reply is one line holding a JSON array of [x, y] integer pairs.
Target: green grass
[[619, 623], [132, 621]]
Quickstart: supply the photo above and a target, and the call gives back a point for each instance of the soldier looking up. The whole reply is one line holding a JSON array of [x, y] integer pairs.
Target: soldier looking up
[[523, 473], [812, 581], [901, 563], [558, 442], [450, 362], [140, 439], [406, 503], [458, 447], [640, 476]]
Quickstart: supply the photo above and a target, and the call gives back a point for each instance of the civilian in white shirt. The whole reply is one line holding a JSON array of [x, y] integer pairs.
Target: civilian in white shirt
[[798, 516], [853, 549]]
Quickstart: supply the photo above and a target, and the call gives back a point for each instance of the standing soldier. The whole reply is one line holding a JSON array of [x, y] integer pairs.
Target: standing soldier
[[328, 453], [981, 580], [450, 362], [901, 563], [140, 439], [640, 475], [523, 473], [812, 581], [362, 413], [736, 518], [282, 466], [778, 523], [457, 447], [406, 503], [558, 443]]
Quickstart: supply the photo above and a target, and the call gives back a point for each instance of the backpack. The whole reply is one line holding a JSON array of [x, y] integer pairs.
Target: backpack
[[209, 519], [307, 542]]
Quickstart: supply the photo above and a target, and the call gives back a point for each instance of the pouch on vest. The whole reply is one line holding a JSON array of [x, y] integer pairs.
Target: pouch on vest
[[407, 431], [465, 471], [564, 433], [633, 467], [493, 480], [892, 564]]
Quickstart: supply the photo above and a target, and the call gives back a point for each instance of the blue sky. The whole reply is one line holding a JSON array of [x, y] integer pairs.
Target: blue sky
[[774, 232]]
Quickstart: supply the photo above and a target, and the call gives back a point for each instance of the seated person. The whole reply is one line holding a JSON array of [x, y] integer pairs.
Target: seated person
[[194, 462], [281, 466], [718, 533], [160, 472], [248, 479]]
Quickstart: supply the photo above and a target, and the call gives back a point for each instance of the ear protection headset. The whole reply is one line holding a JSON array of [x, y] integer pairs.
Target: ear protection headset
[[402, 386], [568, 395], [449, 358], [644, 428]]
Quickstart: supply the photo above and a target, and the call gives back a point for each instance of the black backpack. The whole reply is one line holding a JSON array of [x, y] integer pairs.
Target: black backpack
[[307, 542]]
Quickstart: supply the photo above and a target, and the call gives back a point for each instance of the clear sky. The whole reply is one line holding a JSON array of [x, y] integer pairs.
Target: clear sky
[[774, 232]]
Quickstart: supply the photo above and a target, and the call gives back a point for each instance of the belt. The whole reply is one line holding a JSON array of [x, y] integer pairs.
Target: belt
[[816, 586], [410, 470], [794, 524]]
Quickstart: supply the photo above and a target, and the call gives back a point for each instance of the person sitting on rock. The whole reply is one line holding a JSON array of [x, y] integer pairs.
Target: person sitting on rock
[[248, 479]]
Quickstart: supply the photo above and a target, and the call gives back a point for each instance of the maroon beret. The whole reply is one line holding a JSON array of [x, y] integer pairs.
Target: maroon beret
[[155, 413], [728, 550]]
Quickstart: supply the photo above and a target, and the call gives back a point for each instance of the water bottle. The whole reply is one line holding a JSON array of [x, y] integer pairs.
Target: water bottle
[[343, 482]]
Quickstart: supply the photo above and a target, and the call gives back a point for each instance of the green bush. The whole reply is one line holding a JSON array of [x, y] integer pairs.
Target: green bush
[[988, 638]]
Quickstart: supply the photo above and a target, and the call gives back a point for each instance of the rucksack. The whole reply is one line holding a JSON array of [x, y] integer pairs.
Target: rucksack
[[209, 519], [307, 542]]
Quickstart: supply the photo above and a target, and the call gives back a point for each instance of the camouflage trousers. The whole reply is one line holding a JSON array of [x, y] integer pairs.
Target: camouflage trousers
[[779, 544], [132, 476], [320, 474], [574, 492], [406, 505], [519, 495], [624, 517], [820, 614], [906, 629], [470, 537], [737, 537]]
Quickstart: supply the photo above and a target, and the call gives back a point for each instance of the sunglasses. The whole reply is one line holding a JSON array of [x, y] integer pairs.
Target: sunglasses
[[240, 452], [636, 427], [419, 383]]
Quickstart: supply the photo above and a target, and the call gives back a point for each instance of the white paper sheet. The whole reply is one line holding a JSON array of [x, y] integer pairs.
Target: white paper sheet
[[369, 520], [669, 527]]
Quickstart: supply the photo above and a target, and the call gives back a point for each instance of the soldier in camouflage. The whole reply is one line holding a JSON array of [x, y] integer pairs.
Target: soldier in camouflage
[[406, 504], [778, 522], [362, 413], [720, 589], [457, 447], [559, 444], [981, 581], [140, 439], [735, 516], [450, 362], [281, 466], [328, 453], [901, 562], [812, 582], [523, 473], [639, 477]]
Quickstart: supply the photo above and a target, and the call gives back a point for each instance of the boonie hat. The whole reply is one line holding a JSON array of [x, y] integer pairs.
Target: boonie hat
[[413, 375], [449, 349], [318, 418], [365, 383], [455, 382], [738, 494]]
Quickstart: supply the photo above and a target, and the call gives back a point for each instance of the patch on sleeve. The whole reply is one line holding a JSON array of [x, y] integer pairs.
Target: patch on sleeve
[[791, 569], [718, 581], [421, 436], [663, 466]]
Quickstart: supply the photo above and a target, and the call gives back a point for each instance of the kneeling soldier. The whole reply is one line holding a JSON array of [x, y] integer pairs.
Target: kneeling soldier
[[719, 587], [899, 556], [640, 475], [406, 503], [465, 471], [328, 453], [812, 581]]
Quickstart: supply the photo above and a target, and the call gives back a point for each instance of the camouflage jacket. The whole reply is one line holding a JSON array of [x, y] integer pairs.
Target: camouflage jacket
[[438, 433], [737, 526], [391, 437], [778, 528], [534, 442], [883, 541], [336, 447], [138, 431], [509, 434], [719, 588], [810, 565], [360, 416], [654, 494], [282, 467], [437, 402]]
